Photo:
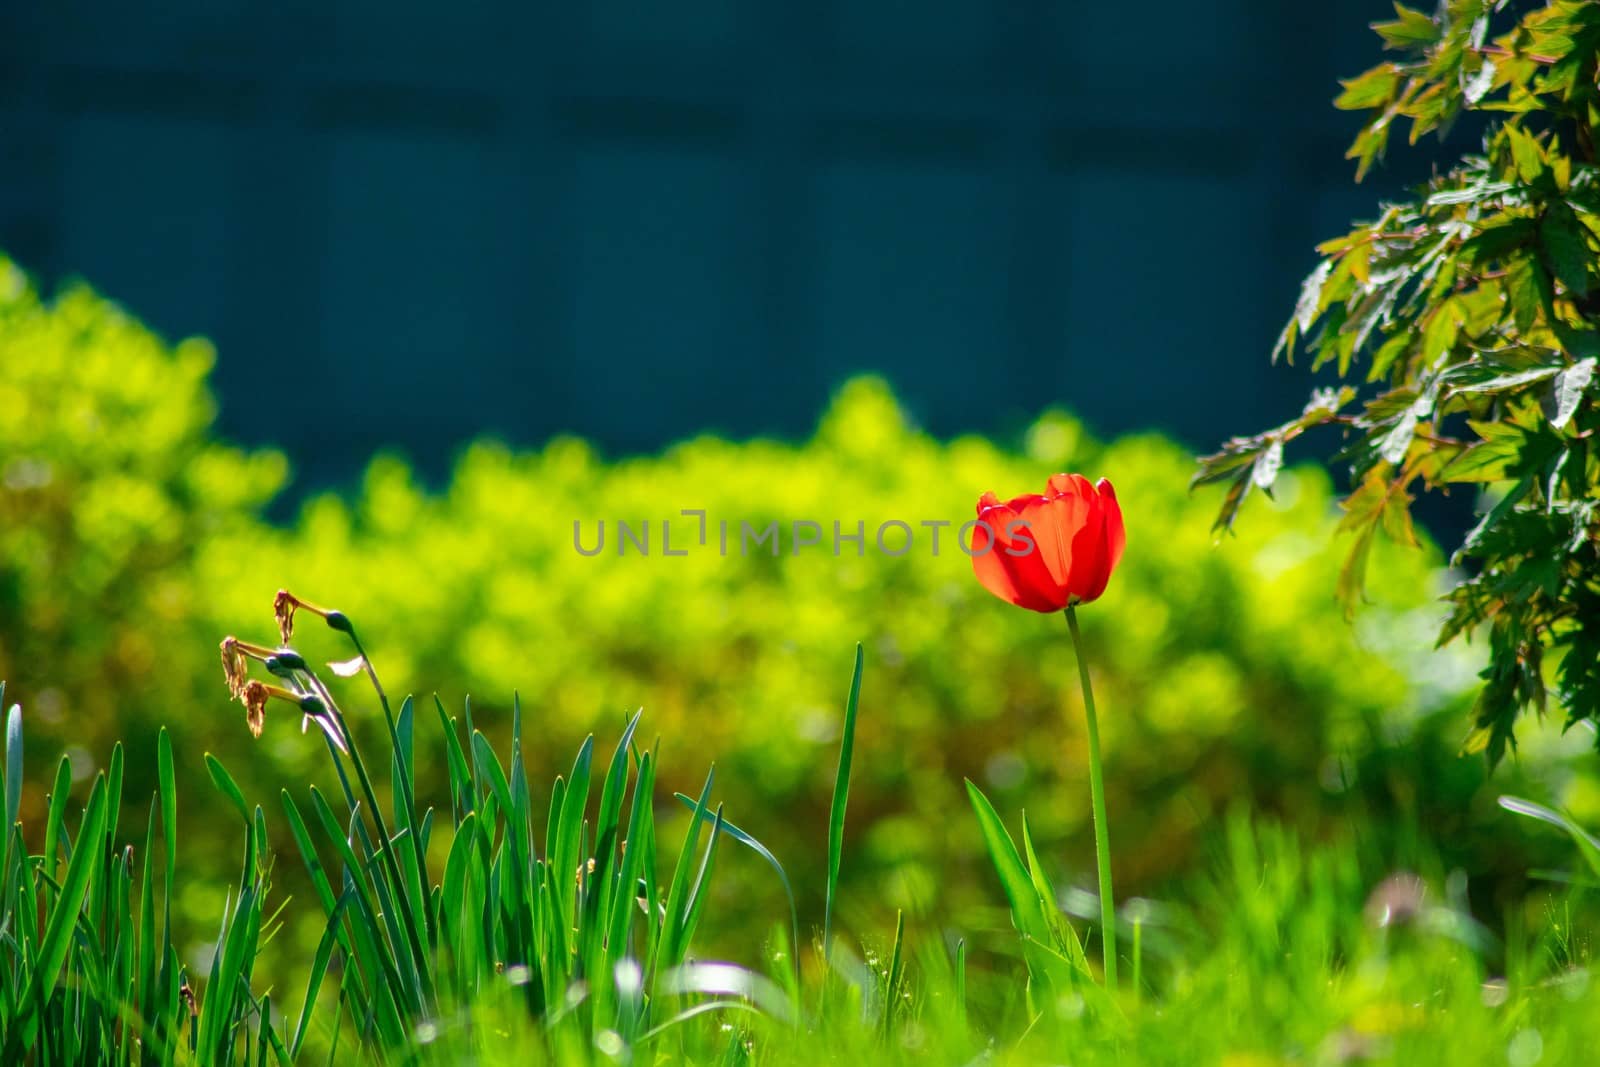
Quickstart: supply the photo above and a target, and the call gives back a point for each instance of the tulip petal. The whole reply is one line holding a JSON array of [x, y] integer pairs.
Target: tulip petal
[[1091, 562], [1056, 520], [1099, 546], [1022, 579], [1116, 536]]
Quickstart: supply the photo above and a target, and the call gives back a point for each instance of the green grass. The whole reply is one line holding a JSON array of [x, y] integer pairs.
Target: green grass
[[509, 923]]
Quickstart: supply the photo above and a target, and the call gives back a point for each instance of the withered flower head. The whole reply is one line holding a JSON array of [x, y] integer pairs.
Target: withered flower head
[[254, 698], [233, 666], [283, 606]]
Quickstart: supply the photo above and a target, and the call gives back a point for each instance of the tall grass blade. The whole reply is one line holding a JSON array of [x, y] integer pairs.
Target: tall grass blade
[[841, 798], [13, 782], [761, 850], [668, 949]]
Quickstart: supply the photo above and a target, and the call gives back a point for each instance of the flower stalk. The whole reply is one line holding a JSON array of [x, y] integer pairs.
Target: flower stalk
[[1097, 799]]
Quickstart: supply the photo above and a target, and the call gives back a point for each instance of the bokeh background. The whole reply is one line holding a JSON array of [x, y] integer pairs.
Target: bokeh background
[[467, 275], [635, 222]]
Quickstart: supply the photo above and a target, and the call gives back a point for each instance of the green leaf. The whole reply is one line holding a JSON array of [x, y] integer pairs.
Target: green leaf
[[1411, 30], [1483, 378], [841, 798], [1397, 442], [1371, 89], [1527, 155], [1569, 388], [1530, 291], [1567, 249], [229, 788], [1306, 309], [1018, 885], [1439, 335], [1264, 471], [1491, 519], [1507, 451], [1480, 84]]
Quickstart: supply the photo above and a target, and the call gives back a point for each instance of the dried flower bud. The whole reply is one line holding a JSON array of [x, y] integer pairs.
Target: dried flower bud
[[283, 606], [255, 705], [233, 666]]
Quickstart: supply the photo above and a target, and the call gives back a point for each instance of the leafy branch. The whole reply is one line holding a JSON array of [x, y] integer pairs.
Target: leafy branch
[[1464, 324]]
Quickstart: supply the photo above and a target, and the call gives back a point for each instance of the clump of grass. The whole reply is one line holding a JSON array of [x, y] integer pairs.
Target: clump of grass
[[87, 975], [564, 930]]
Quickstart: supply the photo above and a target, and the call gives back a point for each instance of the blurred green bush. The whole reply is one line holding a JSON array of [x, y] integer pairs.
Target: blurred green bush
[[131, 542]]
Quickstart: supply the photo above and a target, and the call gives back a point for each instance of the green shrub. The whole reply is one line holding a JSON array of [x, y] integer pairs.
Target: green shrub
[[131, 541], [110, 481]]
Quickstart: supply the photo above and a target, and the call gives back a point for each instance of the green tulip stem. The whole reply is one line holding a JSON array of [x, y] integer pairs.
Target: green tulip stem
[[1097, 796]]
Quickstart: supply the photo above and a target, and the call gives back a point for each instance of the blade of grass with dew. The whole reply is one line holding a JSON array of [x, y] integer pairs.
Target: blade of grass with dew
[[841, 799]]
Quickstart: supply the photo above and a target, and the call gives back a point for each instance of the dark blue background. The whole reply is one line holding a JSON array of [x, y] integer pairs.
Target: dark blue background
[[412, 224]]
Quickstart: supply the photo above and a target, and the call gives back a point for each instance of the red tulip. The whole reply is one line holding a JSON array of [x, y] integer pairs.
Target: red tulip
[[1045, 553]]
